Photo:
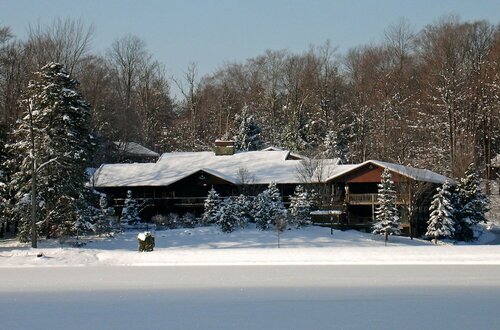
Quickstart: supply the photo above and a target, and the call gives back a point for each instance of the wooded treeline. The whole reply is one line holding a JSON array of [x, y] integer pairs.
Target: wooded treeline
[[428, 98]]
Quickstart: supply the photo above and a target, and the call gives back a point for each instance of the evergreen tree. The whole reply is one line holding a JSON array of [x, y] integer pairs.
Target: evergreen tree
[[130, 213], [59, 118], [335, 145], [471, 205], [248, 132], [263, 214], [441, 223], [300, 207], [212, 204], [227, 216], [3, 189], [243, 210], [103, 224], [294, 136], [386, 215], [268, 205], [274, 193]]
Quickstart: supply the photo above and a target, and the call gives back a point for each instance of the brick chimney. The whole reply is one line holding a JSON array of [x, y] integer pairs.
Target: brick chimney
[[224, 147]]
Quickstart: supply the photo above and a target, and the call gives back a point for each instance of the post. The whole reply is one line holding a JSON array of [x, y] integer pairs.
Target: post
[[410, 210], [331, 224], [373, 208]]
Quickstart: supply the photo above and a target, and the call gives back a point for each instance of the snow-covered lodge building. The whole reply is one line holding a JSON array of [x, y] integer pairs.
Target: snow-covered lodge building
[[179, 182]]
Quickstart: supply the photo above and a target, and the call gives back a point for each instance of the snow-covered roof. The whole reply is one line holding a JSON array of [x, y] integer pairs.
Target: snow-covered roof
[[290, 154], [135, 149], [261, 167], [416, 174]]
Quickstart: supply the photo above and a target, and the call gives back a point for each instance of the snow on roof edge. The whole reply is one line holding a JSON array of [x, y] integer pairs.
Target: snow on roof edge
[[433, 177]]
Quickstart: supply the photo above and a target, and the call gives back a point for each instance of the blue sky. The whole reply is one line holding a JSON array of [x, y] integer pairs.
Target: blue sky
[[214, 32]]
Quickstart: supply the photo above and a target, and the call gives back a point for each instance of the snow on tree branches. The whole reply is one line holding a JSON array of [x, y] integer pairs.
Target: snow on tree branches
[[300, 207], [441, 223], [471, 205], [130, 213], [59, 121], [212, 203], [268, 206], [248, 132], [386, 214]]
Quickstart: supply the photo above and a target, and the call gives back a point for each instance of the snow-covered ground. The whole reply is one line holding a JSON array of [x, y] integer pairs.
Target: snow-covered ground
[[203, 279], [208, 246]]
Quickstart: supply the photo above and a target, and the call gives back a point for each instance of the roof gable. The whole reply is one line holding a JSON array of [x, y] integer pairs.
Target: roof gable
[[405, 171]]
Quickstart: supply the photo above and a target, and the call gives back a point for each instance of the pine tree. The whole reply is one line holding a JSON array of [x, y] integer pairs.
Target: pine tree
[[335, 145], [294, 136], [227, 217], [212, 204], [300, 207], [130, 213], [441, 223], [3, 190], [263, 214], [103, 224], [386, 215], [59, 118], [243, 210], [268, 205], [471, 205], [248, 132]]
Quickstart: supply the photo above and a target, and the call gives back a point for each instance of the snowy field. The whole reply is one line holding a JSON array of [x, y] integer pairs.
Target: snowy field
[[251, 297], [208, 246]]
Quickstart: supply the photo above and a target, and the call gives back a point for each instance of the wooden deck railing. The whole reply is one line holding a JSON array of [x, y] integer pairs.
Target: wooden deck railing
[[368, 199]]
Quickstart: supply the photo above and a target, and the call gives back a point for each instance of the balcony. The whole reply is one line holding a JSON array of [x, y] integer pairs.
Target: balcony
[[369, 199]]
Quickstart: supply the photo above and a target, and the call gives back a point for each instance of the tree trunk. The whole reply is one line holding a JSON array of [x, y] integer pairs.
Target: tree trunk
[[33, 181]]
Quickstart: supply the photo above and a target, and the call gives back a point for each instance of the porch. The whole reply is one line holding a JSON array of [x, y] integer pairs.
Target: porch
[[369, 199]]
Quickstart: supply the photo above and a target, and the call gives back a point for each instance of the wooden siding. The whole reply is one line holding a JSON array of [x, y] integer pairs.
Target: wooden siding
[[370, 173]]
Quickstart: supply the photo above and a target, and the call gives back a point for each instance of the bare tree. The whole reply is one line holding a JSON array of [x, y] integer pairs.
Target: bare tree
[[65, 41], [189, 88], [313, 173], [126, 57]]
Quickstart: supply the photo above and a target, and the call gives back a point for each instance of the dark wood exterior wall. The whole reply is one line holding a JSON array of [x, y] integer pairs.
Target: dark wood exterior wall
[[185, 195], [369, 173], [359, 200]]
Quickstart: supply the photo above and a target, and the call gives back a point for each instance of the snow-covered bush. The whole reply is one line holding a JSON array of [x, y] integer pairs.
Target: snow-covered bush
[[188, 220], [160, 221], [172, 221], [386, 214], [146, 241], [441, 223]]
